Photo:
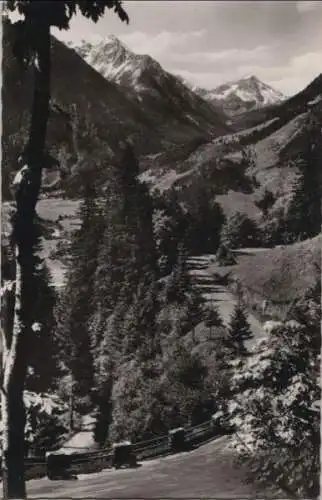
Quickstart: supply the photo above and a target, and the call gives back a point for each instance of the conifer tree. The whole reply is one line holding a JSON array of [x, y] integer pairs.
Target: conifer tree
[[125, 291], [179, 283], [304, 214], [239, 332], [76, 304]]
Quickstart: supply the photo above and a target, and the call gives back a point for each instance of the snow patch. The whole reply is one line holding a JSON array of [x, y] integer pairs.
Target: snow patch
[[315, 101]]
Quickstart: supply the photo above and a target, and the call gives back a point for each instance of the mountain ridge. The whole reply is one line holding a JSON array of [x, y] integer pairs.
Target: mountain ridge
[[146, 81]]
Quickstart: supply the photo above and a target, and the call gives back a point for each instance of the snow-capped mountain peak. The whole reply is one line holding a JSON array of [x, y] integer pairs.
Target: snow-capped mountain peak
[[245, 94], [249, 89], [115, 61]]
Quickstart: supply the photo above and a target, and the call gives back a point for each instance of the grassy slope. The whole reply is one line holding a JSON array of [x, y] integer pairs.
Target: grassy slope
[[279, 275]]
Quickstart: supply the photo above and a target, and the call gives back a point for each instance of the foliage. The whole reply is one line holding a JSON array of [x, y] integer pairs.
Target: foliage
[[45, 421], [206, 219], [304, 213], [240, 231], [224, 256], [184, 385], [137, 407], [60, 14], [274, 392], [266, 201], [170, 226]]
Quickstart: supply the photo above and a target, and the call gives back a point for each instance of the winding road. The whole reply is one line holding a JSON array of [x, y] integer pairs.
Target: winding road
[[202, 270]]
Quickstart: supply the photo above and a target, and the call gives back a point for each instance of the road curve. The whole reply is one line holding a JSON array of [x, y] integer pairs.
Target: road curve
[[205, 472]]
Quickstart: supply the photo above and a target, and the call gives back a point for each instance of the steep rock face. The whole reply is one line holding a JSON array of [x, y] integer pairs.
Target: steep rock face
[[163, 96]]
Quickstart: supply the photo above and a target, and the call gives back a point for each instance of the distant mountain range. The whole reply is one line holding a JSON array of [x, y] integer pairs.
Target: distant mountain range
[[144, 80], [145, 76]]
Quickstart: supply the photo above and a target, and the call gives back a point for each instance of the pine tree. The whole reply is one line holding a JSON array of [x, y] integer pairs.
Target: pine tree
[[206, 219], [43, 370], [304, 213], [179, 283], [127, 250], [170, 226], [239, 332], [125, 291], [76, 304], [140, 331]]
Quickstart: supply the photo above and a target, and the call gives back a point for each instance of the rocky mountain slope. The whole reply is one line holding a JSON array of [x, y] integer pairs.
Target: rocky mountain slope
[[90, 115], [266, 151], [241, 95], [145, 81]]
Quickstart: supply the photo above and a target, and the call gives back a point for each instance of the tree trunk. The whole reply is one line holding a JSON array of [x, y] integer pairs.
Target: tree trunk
[[16, 342]]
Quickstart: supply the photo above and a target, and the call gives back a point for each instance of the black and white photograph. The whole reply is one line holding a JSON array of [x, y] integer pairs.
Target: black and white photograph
[[161, 184]]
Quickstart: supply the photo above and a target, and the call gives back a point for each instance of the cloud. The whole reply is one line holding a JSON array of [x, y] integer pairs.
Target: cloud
[[210, 43], [307, 5], [289, 78], [225, 57], [160, 44]]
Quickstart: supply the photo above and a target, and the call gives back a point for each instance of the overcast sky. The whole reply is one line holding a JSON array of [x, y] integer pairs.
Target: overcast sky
[[212, 42]]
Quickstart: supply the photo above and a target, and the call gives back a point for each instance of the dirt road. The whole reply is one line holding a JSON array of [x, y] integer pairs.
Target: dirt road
[[202, 273]]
